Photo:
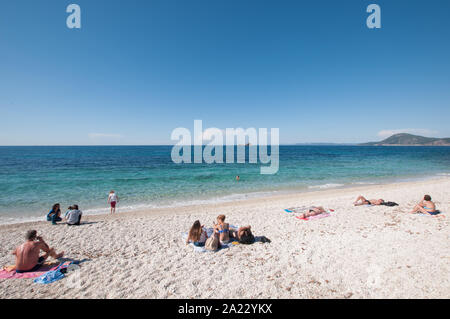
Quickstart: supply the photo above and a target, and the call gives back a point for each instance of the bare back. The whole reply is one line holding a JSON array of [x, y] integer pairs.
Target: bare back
[[27, 255]]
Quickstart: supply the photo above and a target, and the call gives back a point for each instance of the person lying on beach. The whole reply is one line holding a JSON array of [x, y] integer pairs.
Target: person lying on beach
[[223, 229], [113, 199], [55, 214], [27, 254], [197, 235], [73, 215], [362, 201], [243, 235], [312, 211], [425, 206]]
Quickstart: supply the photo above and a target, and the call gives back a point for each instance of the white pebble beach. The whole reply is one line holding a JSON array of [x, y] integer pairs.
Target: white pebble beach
[[358, 252]]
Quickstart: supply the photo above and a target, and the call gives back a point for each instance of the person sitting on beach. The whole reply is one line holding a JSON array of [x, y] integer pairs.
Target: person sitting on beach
[[425, 206], [362, 201], [243, 235], [27, 254], [113, 199], [55, 214], [223, 229], [312, 211], [197, 235], [73, 215]]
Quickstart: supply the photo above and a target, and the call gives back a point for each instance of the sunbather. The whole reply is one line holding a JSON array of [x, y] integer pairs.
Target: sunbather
[[54, 214], [197, 235], [312, 211], [223, 229], [362, 201], [425, 206], [27, 254]]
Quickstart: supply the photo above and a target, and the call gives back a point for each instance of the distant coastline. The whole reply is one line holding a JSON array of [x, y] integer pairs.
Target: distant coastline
[[404, 139]]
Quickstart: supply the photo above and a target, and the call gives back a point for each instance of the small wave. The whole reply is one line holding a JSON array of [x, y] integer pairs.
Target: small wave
[[325, 186], [363, 183], [443, 174]]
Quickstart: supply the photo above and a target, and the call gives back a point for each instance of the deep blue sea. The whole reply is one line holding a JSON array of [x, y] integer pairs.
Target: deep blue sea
[[33, 178]]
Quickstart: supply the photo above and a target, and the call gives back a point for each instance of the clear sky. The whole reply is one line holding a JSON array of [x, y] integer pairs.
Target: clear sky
[[138, 69]]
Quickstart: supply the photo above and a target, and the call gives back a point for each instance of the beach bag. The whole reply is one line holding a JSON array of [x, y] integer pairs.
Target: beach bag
[[390, 204], [212, 243]]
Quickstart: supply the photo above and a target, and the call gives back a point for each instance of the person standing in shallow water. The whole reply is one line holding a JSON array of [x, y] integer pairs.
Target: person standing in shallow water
[[237, 178], [113, 199]]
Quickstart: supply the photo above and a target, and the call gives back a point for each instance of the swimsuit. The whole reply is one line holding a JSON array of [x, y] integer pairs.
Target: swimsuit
[[35, 268], [430, 211], [221, 231]]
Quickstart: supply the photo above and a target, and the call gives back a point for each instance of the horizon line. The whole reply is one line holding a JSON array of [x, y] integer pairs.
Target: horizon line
[[86, 145]]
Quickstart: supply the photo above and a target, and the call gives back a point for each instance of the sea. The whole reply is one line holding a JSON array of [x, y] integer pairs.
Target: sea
[[33, 178]]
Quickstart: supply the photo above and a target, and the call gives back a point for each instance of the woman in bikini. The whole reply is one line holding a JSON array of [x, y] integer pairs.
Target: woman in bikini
[[312, 211], [361, 200], [223, 229], [197, 235], [426, 206]]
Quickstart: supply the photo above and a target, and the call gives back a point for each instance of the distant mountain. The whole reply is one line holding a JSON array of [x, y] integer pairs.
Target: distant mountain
[[324, 144], [404, 139]]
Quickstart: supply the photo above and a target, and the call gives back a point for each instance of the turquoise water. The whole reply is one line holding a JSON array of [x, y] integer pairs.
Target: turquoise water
[[33, 178]]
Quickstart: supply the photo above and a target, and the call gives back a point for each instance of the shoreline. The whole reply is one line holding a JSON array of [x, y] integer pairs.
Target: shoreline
[[239, 197], [283, 195]]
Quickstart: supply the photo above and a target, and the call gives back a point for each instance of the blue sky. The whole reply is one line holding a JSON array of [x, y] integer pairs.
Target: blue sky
[[138, 69]]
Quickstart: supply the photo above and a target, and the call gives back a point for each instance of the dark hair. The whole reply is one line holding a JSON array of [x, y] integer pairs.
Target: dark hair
[[247, 237], [54, 207], [74, 207], [31, 235], [427, 197]]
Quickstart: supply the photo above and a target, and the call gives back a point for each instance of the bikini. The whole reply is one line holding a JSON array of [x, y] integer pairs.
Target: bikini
[[221, 231], [430, 211]]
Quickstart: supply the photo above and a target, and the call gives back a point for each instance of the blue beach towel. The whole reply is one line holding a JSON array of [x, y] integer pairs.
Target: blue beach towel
[[296, 209], [52, 275], [437, 212]]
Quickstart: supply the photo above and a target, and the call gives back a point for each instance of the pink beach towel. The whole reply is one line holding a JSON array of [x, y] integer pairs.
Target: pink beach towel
[[323, 215], [8, 274]]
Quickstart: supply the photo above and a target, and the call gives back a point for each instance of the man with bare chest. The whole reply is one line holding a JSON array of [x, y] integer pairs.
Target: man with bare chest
[[28, 257]]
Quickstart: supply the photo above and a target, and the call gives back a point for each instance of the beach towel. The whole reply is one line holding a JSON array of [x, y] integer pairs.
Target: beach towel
[[210, 231], [320, 216], [9, 272], [301, 210], [53, 275], [436, 213], [296, 209]]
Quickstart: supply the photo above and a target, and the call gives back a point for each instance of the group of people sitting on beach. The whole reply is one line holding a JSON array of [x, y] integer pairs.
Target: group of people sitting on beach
[[28, 257], [425, 206], [72, 216], [222, 233]]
